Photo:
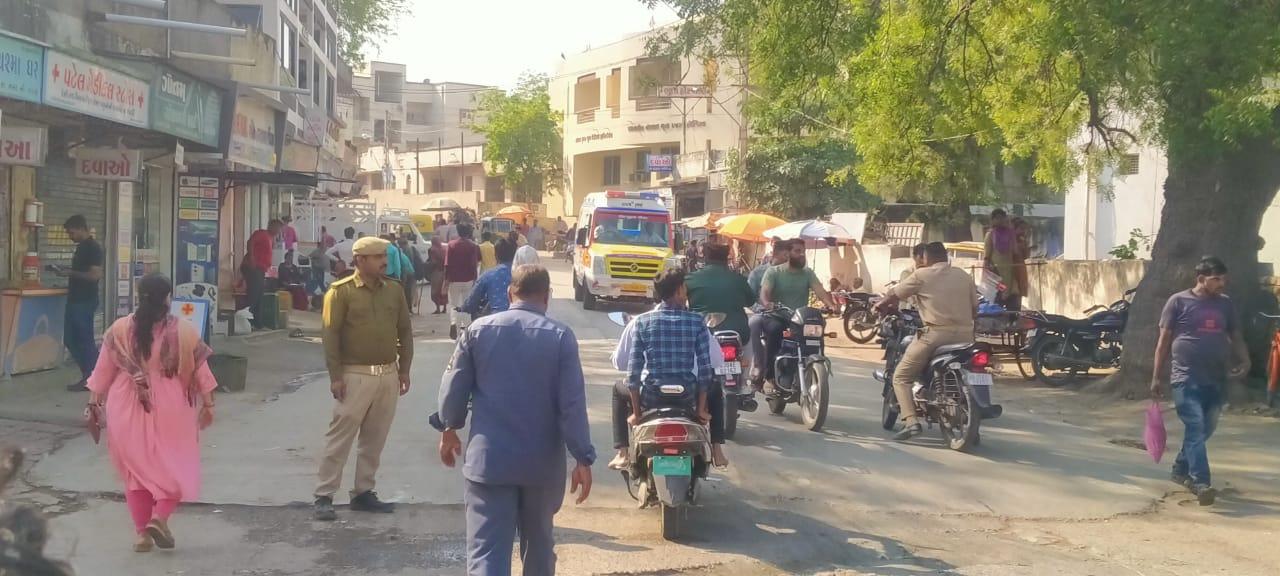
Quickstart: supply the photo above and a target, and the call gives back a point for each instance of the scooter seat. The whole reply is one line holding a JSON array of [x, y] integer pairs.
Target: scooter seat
[[951, 348], [667, 412]]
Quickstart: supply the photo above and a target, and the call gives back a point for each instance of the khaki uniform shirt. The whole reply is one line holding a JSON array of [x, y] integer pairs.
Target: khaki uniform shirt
[[366, 324], [944, 295]]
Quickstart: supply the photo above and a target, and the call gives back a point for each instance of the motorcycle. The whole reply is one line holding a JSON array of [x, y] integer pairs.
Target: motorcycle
[[802, 372], [670, 452], [738, 396], [1062, 348], [858, 314], [954, 390]]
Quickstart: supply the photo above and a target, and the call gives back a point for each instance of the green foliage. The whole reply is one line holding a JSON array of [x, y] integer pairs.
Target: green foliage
[[362, 23], [1129, 250], [524, 143], [799, 178], [932, 91]]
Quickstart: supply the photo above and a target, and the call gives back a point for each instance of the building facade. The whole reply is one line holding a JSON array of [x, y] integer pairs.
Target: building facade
[[390, 110], [622, 133]]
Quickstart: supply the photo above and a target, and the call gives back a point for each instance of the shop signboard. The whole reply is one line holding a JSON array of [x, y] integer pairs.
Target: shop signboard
[[21, 69], [107, 164], [197, 242], [23, 145], [185, 107], [80, 86], [253, 136], [660, 162], [124, 249]]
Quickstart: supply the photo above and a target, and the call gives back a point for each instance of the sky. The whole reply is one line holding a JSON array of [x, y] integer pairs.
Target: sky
[[492, 41]]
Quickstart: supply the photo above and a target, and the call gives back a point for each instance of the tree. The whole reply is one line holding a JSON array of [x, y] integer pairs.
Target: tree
[[799, 178], [523, 139], [362, 23], [1067, 84]]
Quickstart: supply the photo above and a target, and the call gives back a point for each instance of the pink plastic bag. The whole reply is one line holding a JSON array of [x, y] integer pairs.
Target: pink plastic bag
[[1154, 436]]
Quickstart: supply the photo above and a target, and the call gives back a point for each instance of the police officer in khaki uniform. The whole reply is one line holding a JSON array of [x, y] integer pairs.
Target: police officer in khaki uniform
[[948, 304], [366, 330]]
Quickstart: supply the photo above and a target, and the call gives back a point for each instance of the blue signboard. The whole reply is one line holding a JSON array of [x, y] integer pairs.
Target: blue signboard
[[21, 69], [197, 241]]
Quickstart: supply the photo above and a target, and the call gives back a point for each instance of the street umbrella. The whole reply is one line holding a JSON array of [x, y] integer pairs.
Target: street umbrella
[[441, 205], [516, 210], [809, 230], [748, 227]]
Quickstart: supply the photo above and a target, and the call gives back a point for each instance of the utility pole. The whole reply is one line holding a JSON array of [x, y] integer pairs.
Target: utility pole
[[440, 161], [462, 163], [417, 164]]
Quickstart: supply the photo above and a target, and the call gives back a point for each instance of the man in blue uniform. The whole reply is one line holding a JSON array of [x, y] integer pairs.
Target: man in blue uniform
[[527, 407]]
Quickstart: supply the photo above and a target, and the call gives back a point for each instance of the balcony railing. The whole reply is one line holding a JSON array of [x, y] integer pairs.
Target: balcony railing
[[586, 117], [698, 164]]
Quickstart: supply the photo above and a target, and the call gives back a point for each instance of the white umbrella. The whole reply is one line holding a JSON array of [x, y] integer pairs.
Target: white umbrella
[[809, 230], [441, 205]]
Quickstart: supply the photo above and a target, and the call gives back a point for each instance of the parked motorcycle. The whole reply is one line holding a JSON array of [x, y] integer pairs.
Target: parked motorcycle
[[670, 452], [858, 313], [954, 390], [1063, 348], [802, 372]]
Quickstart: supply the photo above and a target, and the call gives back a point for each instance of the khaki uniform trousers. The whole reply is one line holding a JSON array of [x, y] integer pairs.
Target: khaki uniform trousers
[[914, 360], [365, 412]]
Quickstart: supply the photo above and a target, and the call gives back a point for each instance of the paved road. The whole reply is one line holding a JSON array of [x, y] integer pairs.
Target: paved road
[[793, 501]]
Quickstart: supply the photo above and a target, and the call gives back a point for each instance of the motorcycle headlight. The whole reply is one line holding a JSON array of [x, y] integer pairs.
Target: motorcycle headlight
[[671, 262], [597, 265]]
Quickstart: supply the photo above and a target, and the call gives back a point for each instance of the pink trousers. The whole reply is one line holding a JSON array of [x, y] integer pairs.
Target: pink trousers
[[144, 507]]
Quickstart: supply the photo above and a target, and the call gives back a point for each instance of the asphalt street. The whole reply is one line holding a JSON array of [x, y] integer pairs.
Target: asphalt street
[[792, 501]]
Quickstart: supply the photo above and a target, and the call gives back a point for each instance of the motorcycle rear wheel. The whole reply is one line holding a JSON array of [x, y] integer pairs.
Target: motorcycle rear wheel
[[814, 403], [889, 410], [860, 327], [730, 416], [961, 423], [670, 522], [1055, 345]]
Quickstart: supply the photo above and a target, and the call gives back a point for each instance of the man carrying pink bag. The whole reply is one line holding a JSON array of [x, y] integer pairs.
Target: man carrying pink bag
[[1199, 331]]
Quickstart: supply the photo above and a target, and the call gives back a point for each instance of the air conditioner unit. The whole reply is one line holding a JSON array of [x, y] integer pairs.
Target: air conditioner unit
[[639, 177]]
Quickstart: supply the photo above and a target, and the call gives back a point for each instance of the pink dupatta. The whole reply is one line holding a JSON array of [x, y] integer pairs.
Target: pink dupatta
[[182, 353]]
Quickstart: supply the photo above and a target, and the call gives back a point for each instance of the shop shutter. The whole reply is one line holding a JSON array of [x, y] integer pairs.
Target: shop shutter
[[63, 196]]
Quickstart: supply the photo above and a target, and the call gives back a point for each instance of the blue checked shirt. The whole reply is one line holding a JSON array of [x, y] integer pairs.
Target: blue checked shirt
[[489, 296], [670, 345]]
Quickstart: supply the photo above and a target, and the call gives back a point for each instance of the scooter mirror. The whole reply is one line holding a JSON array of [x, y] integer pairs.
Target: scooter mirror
[[619, 318]]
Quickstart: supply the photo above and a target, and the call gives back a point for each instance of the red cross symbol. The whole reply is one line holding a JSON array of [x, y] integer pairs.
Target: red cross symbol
[[188, 309]]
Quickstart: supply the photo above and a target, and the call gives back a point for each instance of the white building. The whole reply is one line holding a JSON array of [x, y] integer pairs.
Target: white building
[[1102, 210], [389, 110], [618, 134]]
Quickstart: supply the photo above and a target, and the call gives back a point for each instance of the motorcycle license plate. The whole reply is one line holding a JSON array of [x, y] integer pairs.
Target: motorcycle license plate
[[672, 466], [1031, 333], [729, 369], [977, 379]]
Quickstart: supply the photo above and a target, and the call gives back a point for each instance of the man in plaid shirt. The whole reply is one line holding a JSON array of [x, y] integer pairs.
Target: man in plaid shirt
[[670, 346]]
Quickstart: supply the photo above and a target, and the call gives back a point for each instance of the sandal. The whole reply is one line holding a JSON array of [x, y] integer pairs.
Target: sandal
[[159, 531], [144, 543]]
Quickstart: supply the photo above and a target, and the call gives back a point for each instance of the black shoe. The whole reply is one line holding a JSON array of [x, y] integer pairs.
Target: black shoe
[[368, 502], [909, 432], [1204, 493], [1180, 479], [80, 386], [453, 332], [324, 509]]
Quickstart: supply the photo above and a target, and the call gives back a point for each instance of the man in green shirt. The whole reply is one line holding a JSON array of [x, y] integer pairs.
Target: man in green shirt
[[789, 285], [716, 288]]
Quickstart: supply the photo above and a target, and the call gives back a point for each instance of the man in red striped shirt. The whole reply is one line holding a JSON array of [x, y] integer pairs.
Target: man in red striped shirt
[[257, 260]]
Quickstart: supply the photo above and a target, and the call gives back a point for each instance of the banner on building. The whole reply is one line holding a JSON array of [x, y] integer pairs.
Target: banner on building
[[660, 162], [107, 164], [253, 136], [684, 91], [186, 107], [23, 145], [80, 86], [21, 69]]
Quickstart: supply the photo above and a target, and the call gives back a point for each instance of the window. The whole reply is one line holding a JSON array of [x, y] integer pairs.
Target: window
[[642, 160], [418, 113], [586, 94], [287, 49], [388, 87], [1127, 165], [332, 46], [379, 130], [362, 108], [393, 132], [650, 73], [467, 182], [315, 90], [329, 102], [613, 89], [612, 170], [672, 150], [466, 116]]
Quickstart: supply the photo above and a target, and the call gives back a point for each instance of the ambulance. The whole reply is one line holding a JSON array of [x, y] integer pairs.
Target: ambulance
[[624, 241]]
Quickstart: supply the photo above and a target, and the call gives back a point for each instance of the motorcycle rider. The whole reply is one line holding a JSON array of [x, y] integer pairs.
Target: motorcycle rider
[[716, 288], [655, 348], [948, 305], [787, 284], [779, 255]]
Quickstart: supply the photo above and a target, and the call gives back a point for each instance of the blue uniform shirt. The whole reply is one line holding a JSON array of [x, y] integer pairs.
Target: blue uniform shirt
[[521, 372], [489, 295]]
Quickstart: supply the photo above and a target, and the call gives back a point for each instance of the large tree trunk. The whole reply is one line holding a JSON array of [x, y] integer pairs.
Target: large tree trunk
[[1211, 208]]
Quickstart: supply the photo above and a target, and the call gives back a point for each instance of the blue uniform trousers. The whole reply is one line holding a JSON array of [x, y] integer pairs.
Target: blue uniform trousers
[[496, 513]]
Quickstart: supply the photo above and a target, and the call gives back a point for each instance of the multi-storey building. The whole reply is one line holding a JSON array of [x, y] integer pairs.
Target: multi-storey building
[[389, 110], [624, 131]]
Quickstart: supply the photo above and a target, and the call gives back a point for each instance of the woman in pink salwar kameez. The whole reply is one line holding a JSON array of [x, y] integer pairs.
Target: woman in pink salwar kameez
[[153, 376]]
